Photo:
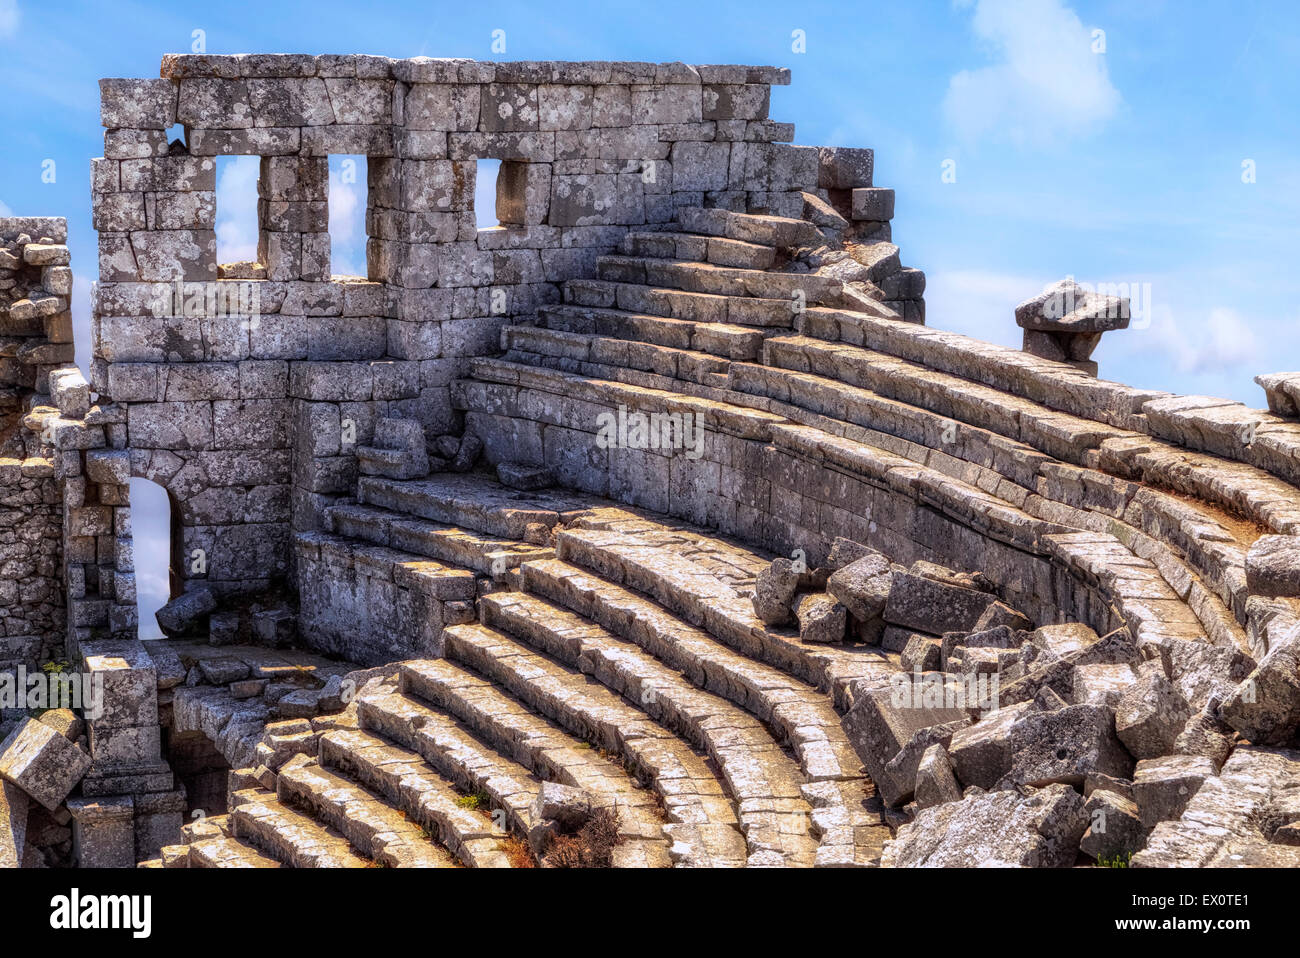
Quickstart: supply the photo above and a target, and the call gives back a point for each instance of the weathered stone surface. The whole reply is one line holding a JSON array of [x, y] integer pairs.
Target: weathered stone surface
[[1002, 829], [927, 605], [821, 618], [44, 764], [1163, 787], [565, 805], [1151, 714], [1265, 707], [863, 585], [182, 614], [1115, 829], [878, 727], [935, 782], [774, 591], [1273, 566]]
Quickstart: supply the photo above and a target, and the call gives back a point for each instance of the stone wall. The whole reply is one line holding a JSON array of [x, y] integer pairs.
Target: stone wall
[[247, 386], [35, 341]]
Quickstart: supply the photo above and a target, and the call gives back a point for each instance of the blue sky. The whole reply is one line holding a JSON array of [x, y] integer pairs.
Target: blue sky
[[1123, 166]]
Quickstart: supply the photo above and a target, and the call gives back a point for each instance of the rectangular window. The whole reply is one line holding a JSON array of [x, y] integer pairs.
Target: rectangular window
[[347, 219], [237, 208]]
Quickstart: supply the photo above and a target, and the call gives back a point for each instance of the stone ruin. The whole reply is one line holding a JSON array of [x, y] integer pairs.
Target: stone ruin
[[651, 527]]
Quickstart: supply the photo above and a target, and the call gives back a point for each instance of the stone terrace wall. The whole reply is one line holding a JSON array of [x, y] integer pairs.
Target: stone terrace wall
[[35, 340], [249, 420]]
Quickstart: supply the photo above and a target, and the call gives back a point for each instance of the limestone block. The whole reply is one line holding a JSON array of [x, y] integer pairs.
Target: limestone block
[[39, 760], [1114, 827], [873, 203], [926, 605], [735, 101], [508, 107], [138, 104], [666, 103], [821, 618], [523, 193], [994, 829], [183, 613], [14, 806], [103, 832], [1151, 713], [1164, 787], [935, 782], [862, 585], [700, 166], [844, 168], [130, 683]]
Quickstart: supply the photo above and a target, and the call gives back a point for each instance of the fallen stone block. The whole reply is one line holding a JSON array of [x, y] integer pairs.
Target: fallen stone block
[[64, 721], [43, 763], [880, 723], [774, 592], [1282, 391], [1102, 684], [1206, 734], [904, 766], [224, 670], [862, 586], [1151, 713], [1273, 566], [1115, 830], [1003, 829], [181, 615], [14, 806], [935, 782], [1031, 746], [1163, 787], [821, 619], [927, 605], [999, 613], [568, 807], [921, 654]]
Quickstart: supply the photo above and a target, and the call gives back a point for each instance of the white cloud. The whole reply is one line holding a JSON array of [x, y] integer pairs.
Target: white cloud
[[1045, 84], [4, 209], [10, 17], [237, 209], [1217, 342], [978, 303], [347, 218]]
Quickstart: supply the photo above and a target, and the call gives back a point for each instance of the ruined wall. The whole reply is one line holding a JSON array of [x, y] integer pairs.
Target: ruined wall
[[35, 339], [246, 401]]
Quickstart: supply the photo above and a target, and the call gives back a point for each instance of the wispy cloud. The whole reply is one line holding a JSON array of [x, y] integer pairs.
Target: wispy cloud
[[1046, 83], [4, 209], [10, 18]]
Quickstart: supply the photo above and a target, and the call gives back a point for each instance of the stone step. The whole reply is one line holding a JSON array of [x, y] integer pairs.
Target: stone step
[[718, 339], [489, 555], [472, 502], [803, 716], [472, 765], [549, 751], [696, 248], [679, 571], [1138, 598], [758, 772], [226, 852], [290, 837], [681, 304], [603, 357], [987, 456], [427, 797], [776, 231], [808, 288], [373, 826]]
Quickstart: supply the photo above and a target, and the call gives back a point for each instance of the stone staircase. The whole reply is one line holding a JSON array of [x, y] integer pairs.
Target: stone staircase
[[718, 743], [1007, 446]]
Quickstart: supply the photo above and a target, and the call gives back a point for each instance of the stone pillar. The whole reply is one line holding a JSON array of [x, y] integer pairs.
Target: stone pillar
[[1065, 322], [103, 832]]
